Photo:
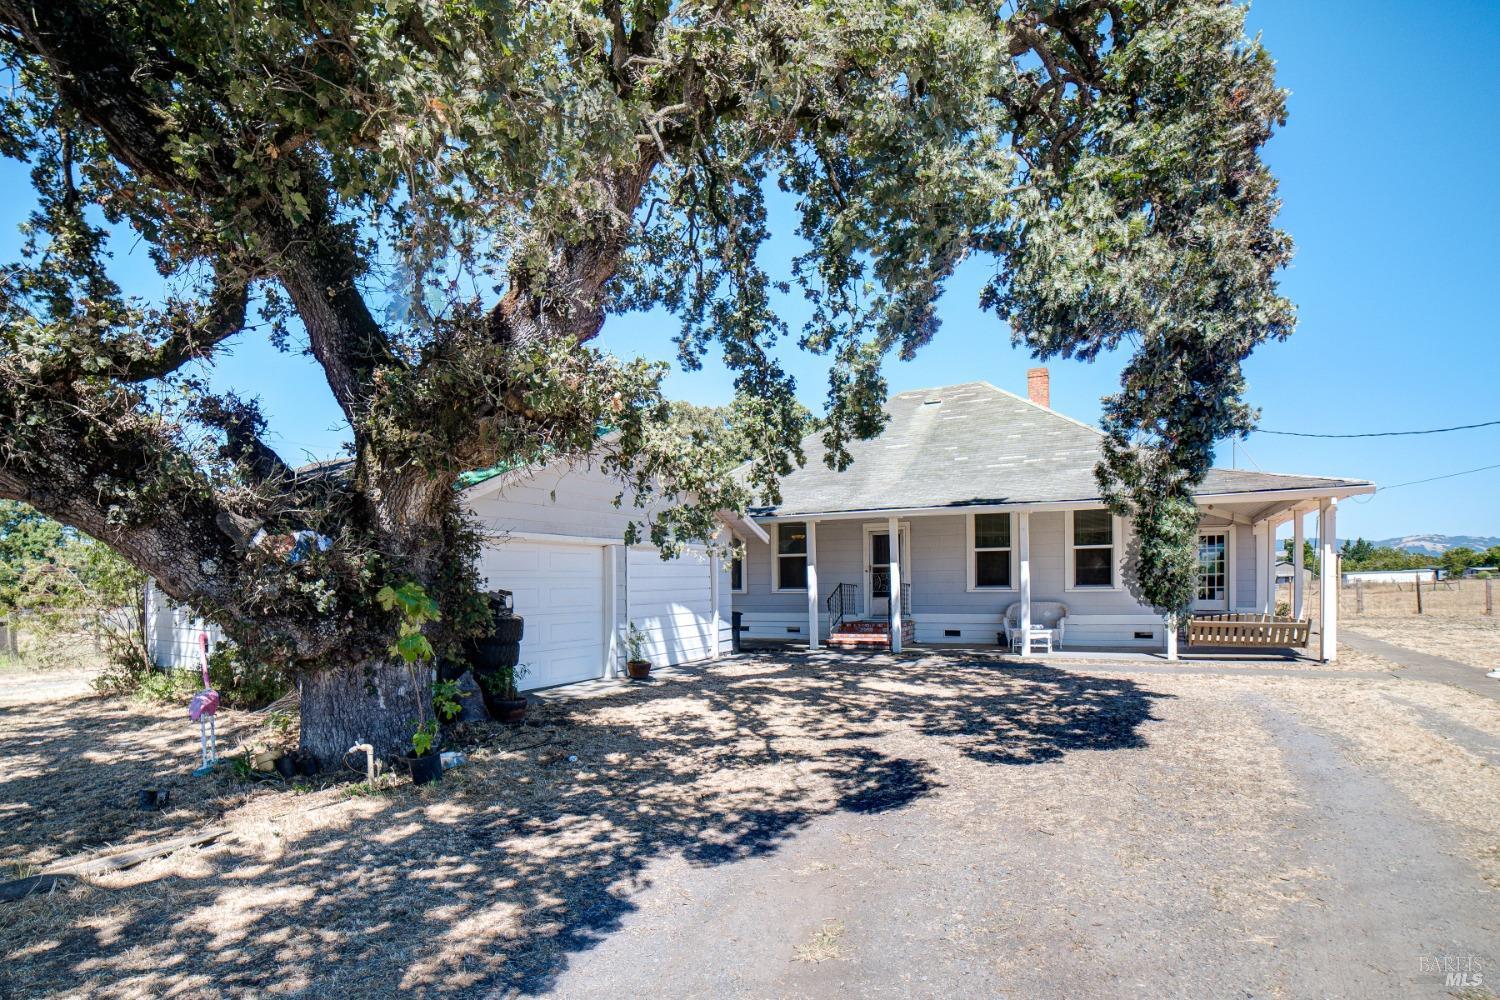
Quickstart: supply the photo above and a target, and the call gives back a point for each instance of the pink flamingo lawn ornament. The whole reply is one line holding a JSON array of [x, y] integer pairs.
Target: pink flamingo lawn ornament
[[202, 710]]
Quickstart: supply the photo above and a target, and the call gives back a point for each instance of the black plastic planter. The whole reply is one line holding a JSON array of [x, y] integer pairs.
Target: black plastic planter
[[286, 766], [425, 769]]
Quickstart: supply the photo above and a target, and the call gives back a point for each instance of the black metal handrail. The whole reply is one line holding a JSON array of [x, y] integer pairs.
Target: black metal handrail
[[839, 604]]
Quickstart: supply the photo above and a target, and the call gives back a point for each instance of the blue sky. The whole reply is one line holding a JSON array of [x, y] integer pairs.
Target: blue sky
[[1390, 172]]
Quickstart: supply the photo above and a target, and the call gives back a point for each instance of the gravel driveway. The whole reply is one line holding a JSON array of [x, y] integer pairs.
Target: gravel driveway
[[1238, 851], [839, 825]]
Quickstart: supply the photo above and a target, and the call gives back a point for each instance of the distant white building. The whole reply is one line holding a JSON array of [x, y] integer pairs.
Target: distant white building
[[1427, 574], [172, 631]]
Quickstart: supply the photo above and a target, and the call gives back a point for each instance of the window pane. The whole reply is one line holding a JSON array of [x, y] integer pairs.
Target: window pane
[[737, 574], [1091, 567], [793, 572], [791, 537], [992, 569], [1093, 527], [992, 531], [1212, 568]]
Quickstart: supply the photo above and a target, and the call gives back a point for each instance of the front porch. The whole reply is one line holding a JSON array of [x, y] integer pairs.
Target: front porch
[[1059, 574]]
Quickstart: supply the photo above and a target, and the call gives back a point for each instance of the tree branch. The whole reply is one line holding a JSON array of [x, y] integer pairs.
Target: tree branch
[[196, 337]]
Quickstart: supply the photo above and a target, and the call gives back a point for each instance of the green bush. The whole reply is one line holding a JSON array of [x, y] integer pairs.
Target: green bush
[[240, 685], [244, 684]]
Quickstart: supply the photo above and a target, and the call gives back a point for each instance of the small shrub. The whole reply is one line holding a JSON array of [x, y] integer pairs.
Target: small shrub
[[242, 683]]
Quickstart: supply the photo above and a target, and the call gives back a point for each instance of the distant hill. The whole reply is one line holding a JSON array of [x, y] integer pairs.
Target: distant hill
[[1436, 545]]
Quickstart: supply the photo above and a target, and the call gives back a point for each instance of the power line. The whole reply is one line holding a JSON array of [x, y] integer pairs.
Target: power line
[[1451, 475], [1382, 434]]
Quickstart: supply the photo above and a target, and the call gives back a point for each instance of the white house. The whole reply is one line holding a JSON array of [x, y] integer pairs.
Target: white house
[[992, 504], [556, 542], [974, 501]]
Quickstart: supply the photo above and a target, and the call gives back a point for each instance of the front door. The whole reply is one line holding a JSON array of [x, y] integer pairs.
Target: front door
[[878, 571], [1213, 572]]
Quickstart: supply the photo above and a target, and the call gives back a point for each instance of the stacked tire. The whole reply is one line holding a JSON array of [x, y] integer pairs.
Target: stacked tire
[[499, 650]]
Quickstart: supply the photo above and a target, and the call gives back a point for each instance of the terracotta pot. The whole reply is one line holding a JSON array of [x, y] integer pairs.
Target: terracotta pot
[[638, 670]]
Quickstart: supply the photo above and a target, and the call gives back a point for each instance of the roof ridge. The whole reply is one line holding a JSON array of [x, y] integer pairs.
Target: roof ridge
[[1290, 475], [1045, 409]]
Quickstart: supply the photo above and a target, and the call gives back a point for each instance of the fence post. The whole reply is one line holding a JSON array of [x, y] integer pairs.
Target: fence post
[[1489, 596], [1359, 596], [1419, 595]]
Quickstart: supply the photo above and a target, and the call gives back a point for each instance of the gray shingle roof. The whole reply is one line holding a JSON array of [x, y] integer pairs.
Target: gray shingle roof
[[961, 445]]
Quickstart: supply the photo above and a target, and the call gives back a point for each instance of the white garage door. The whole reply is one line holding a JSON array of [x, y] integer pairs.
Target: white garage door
[[672, 604], [559, 590]]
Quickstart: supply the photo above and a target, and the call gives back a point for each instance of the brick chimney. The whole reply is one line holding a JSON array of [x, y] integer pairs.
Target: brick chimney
[[1039, 387]]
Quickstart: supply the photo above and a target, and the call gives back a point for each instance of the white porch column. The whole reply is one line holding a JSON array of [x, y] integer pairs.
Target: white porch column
[[713, 595], [1271, 560], [1262, 571], [812, 585], [1023, 546], [1328, 580], [1299, 540], [895, 600]]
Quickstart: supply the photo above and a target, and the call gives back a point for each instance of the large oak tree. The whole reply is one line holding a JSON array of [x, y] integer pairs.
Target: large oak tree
[[443, 200]]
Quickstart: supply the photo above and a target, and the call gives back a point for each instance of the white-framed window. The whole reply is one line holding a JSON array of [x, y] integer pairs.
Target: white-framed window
[[1213, 569], [992, 552], [1093, 550], [790, 565], [739, 568]]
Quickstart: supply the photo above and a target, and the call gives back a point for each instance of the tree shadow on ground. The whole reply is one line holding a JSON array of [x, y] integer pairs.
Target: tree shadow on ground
[[73, 767], [540, 847]]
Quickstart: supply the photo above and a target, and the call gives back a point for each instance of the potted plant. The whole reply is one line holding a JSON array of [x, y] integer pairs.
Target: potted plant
[[414, 609], [636, 664], [501, 697], [425, 763]]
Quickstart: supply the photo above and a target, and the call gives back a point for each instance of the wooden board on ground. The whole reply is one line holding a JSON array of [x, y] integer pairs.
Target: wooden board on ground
[[97, 863]]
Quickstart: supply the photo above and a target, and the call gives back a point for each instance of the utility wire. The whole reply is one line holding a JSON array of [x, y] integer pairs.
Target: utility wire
[[1383, 434], [1451, 475]]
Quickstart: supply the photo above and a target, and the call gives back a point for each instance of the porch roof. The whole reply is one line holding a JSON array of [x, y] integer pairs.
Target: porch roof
[[974, 445]]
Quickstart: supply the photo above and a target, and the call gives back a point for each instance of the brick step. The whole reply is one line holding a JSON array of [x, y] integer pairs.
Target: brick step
[[870, 632]]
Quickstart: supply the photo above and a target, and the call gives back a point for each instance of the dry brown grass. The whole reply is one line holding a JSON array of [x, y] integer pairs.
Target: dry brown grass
[[542, 845], [511, 863], [1461, 598], [1391, 725], [1475, 641]]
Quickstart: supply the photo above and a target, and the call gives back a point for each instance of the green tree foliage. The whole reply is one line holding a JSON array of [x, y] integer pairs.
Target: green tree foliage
[[70, 593], [442, 202], [1309, 554], [28, 540], [1362, 554]]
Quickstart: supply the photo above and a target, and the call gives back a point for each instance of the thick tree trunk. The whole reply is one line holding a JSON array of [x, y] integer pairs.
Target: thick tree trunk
[[378, 702]]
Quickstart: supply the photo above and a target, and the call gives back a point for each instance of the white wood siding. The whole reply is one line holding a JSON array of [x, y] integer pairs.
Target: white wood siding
[[671, 603], [172, 632]]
